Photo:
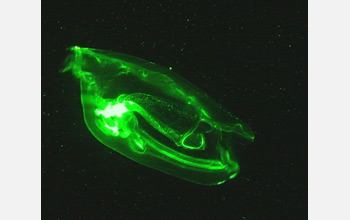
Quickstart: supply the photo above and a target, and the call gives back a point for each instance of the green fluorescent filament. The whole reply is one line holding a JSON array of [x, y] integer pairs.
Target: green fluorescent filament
[[155, 117]]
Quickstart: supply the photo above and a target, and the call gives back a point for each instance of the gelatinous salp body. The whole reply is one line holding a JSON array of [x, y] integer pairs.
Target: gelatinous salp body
[[155, 117]]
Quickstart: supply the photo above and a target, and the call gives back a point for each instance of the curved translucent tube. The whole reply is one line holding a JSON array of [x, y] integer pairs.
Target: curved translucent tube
[[155, 117]]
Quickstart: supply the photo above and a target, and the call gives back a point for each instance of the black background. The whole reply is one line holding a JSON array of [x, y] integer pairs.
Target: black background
[[252, 58]]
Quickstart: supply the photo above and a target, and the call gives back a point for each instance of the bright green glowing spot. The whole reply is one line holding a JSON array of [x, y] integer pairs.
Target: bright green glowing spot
[[115, 110], [233, 175], [205, 113], [155, 117], [221, 182]]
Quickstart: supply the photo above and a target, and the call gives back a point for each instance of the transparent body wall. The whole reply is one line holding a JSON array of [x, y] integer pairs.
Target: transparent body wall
[[155, 117]]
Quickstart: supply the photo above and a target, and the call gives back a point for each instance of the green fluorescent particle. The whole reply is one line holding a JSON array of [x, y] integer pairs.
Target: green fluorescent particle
[[155, 117]]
